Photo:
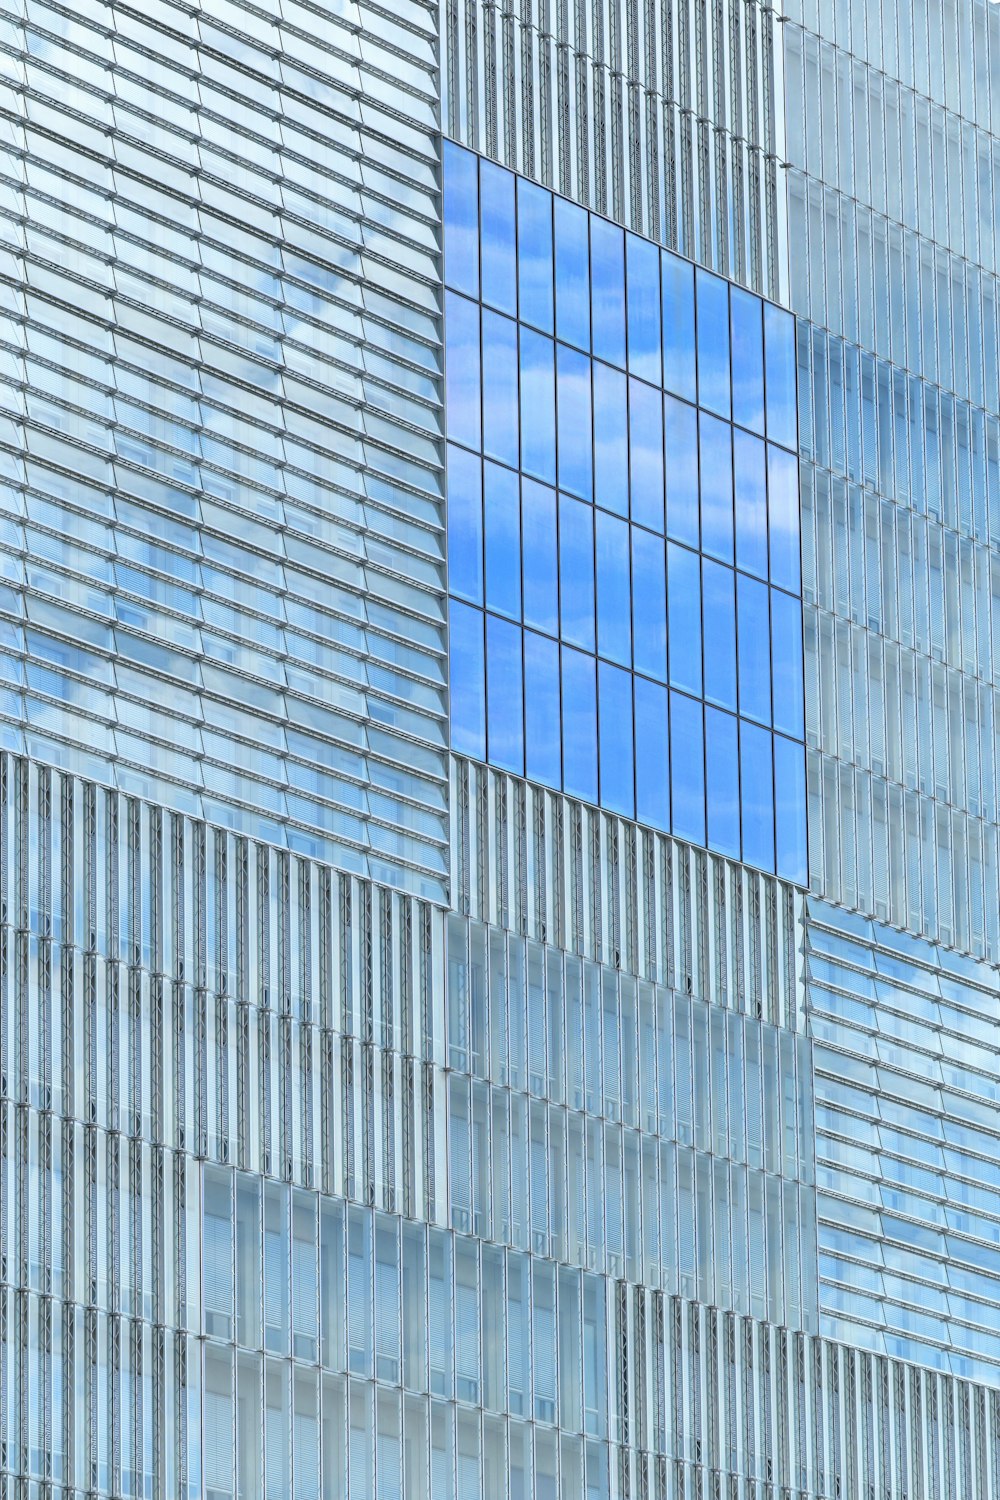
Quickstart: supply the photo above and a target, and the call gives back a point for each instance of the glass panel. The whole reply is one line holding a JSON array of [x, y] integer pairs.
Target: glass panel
[[498, 250], [779, 354], [502, 513], [614, 623], [646, 454], [783, 516], [534, 254], [579, 725], [607, 289], [538, 406], [541, 708], [465, 524], [540, 562], [757, 796], [748, 359], [573, 406], [678, 327], [652, 755], [681, 424], [468, 680], [786, 664], [643, 291], [500, 404], [462, 393], [753, 643], [610, 439], [572, 274], [790, 809], [649, 605], [713, 342], [461, 219], [505, 699], [617, 758], [687, 769], [722, 765], [751, 504], [719, 615], [684, 614], [576, 572], [716, 450]]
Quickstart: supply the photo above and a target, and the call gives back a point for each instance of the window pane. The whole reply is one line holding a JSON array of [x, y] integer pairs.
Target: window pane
[[541, 709], [498, 252], [687, 769], [607, 284], [779, 354], [576, 572], [468, 681], [649, 605], [503, 540], [786, 664], [579, 725], [681, 443], [610, 439], [505, 699], [783, 516], [534, 254], [713, 342], [461, 219], [652, 755], [572, 274], [716, 448], [719, 615], [646, 454], [753, 645], [538, 406], [617, 757], [757, 796], [684, 615], [573, 406], [540, 562], [465, 525], [790, 809], [614, 613], [643, 290], [751, 504], [678, 326], [722, 763], [461, 333], [748, 359], [500, 429]]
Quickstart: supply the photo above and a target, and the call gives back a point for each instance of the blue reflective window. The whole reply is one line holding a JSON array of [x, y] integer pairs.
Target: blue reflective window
[[614, 612], [502, 510], [642, 269], [722, 782], [573, 405], [467, 685], [465, 524], [610, 439], [461, 219], [753, 634], [719, 614], [687, 769], [607, 291], [646, 454], [783, 519], [649, 605], [462, 389], [540, 562], [779, 362], [678, 327], [790, 810], [576, 572], [748, 359], [681, 444], [500, 400], [543, 759], [579, 724], [750, 477], [534, 254], [716, 451], [652, 754], [615, 724], [713, 342], [786, 664], [572, 274], [757, 796], [538, 406], [684, 615], [499, 253], [504, 694]]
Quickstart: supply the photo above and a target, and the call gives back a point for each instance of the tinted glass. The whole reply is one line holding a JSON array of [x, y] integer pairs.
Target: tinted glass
[[783, 518], [642, 270], [615, 723], [684, 616], [713, 342], [607, 290], [541, 709], [753, 649], [462, 392], [779, 355], [573, 405], [719, 614], [500, 400], [610, 439], [576, 572], [467, 684], [579, 724], [790, 809], [649, 605], [465, 525], [716, 451], [461, 219], [757, 796], [678, 326], [646, 454], [751, 503], [687, 769], [681, 443], [722, 782], [538, 406], [614, 613], [748, 359], [498, 240], [540, 562], [502, 513], [534, 254], [572, 274], [786, 664], [652, 754], [504, 694]]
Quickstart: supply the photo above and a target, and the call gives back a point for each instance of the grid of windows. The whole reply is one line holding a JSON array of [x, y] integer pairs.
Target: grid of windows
[[623, 522]]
